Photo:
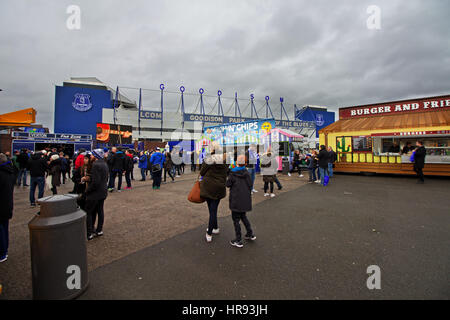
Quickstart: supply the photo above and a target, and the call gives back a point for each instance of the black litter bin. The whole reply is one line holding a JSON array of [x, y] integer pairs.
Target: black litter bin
[[58, 249]]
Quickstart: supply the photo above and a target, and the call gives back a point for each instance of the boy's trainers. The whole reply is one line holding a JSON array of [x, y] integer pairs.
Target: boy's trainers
[[266, 194], [254, 190], [99, 234], [90, 237], [208, 238], [110, 189], [252, 238], [272, 195], [214, 231], [4, 258], [236, 243]]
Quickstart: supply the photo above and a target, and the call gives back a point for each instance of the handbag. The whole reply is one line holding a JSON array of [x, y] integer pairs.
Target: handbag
[[194, 195], [156, 167]]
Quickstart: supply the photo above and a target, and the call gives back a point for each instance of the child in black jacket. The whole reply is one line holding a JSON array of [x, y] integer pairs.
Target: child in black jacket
[[240, 184]]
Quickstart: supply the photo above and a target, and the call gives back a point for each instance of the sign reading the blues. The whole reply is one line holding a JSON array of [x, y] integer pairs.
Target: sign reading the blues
[[152, 115], [82, 102], [227, 119], [242, 133]]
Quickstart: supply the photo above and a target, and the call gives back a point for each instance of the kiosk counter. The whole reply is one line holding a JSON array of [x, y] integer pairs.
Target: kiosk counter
[[380, 138]]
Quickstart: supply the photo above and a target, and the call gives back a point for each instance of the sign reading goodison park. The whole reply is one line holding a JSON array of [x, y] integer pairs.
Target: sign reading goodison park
[[227, 119]]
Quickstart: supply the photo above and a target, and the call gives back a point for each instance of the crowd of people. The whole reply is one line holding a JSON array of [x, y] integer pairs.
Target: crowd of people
[[94, 174]]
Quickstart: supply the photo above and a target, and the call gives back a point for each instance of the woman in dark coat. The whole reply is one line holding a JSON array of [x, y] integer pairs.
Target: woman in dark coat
[[213, 186], [7, 180], [55, 172]]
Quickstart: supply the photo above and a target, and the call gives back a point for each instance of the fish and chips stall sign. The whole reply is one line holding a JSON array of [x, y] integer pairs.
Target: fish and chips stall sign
[[243, 133]]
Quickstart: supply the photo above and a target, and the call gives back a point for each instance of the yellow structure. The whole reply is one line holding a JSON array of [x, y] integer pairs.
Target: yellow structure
[[379, 143], [21, 118]]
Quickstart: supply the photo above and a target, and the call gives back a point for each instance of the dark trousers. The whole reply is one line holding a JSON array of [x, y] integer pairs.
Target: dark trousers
[[213, 205], [112, 179], [157, 178], [296, 166], [128, 178], [94, 209], [266, 187], [237, 217], [278, 183], [132, 175], [4, 238], [40, 183], [312, 174], [178, 169], [193, 167], [143, 173], [54, 190], [22, 176], [168, 171], [419, 171]]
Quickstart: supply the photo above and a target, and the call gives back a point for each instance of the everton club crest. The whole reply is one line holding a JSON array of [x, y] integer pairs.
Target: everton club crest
[[319, 120], [82, 102]]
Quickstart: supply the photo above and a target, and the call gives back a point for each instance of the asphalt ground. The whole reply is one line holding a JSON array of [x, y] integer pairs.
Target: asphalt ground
[[312, 242], [134, 219]]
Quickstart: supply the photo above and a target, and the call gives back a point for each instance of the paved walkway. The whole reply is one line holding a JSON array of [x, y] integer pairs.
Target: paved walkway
[[312, 243]]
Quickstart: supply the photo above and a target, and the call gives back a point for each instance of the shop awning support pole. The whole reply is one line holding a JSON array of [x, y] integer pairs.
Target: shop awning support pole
[[161, 86]]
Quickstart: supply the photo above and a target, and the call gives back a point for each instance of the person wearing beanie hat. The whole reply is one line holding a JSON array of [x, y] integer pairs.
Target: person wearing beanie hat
[[55, 172], [99, 153], [96, 193]]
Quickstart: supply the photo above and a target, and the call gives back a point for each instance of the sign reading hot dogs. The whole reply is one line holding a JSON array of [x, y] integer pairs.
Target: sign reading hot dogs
[[417, 105]]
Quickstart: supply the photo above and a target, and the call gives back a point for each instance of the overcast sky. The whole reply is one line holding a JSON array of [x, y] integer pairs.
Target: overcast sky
[[309, 52]]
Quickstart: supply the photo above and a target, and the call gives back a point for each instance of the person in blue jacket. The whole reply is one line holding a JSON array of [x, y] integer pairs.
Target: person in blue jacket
[[157, 163], [142, 164]]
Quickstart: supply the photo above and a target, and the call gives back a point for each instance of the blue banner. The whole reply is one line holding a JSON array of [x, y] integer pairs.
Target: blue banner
[[227, 119]]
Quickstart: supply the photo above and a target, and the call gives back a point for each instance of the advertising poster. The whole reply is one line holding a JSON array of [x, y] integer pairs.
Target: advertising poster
[[114, 134]]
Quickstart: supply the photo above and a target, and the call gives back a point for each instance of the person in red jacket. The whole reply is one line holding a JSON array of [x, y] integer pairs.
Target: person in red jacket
[[76, 174]]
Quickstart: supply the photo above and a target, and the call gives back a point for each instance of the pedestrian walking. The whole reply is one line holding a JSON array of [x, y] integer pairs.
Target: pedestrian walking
[[240, 183], [157, 163], [129, 166], [143, 161], [251, 156], [269, 168], [117, 166], [311, 161], [193, 161], [323, 158], [6, 199], [331, 160], [63, 167], [37, 166], [96, 193], [168, 164], [419, 161], [213, 174], [22, 160], [54, 170], [78, 162]]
